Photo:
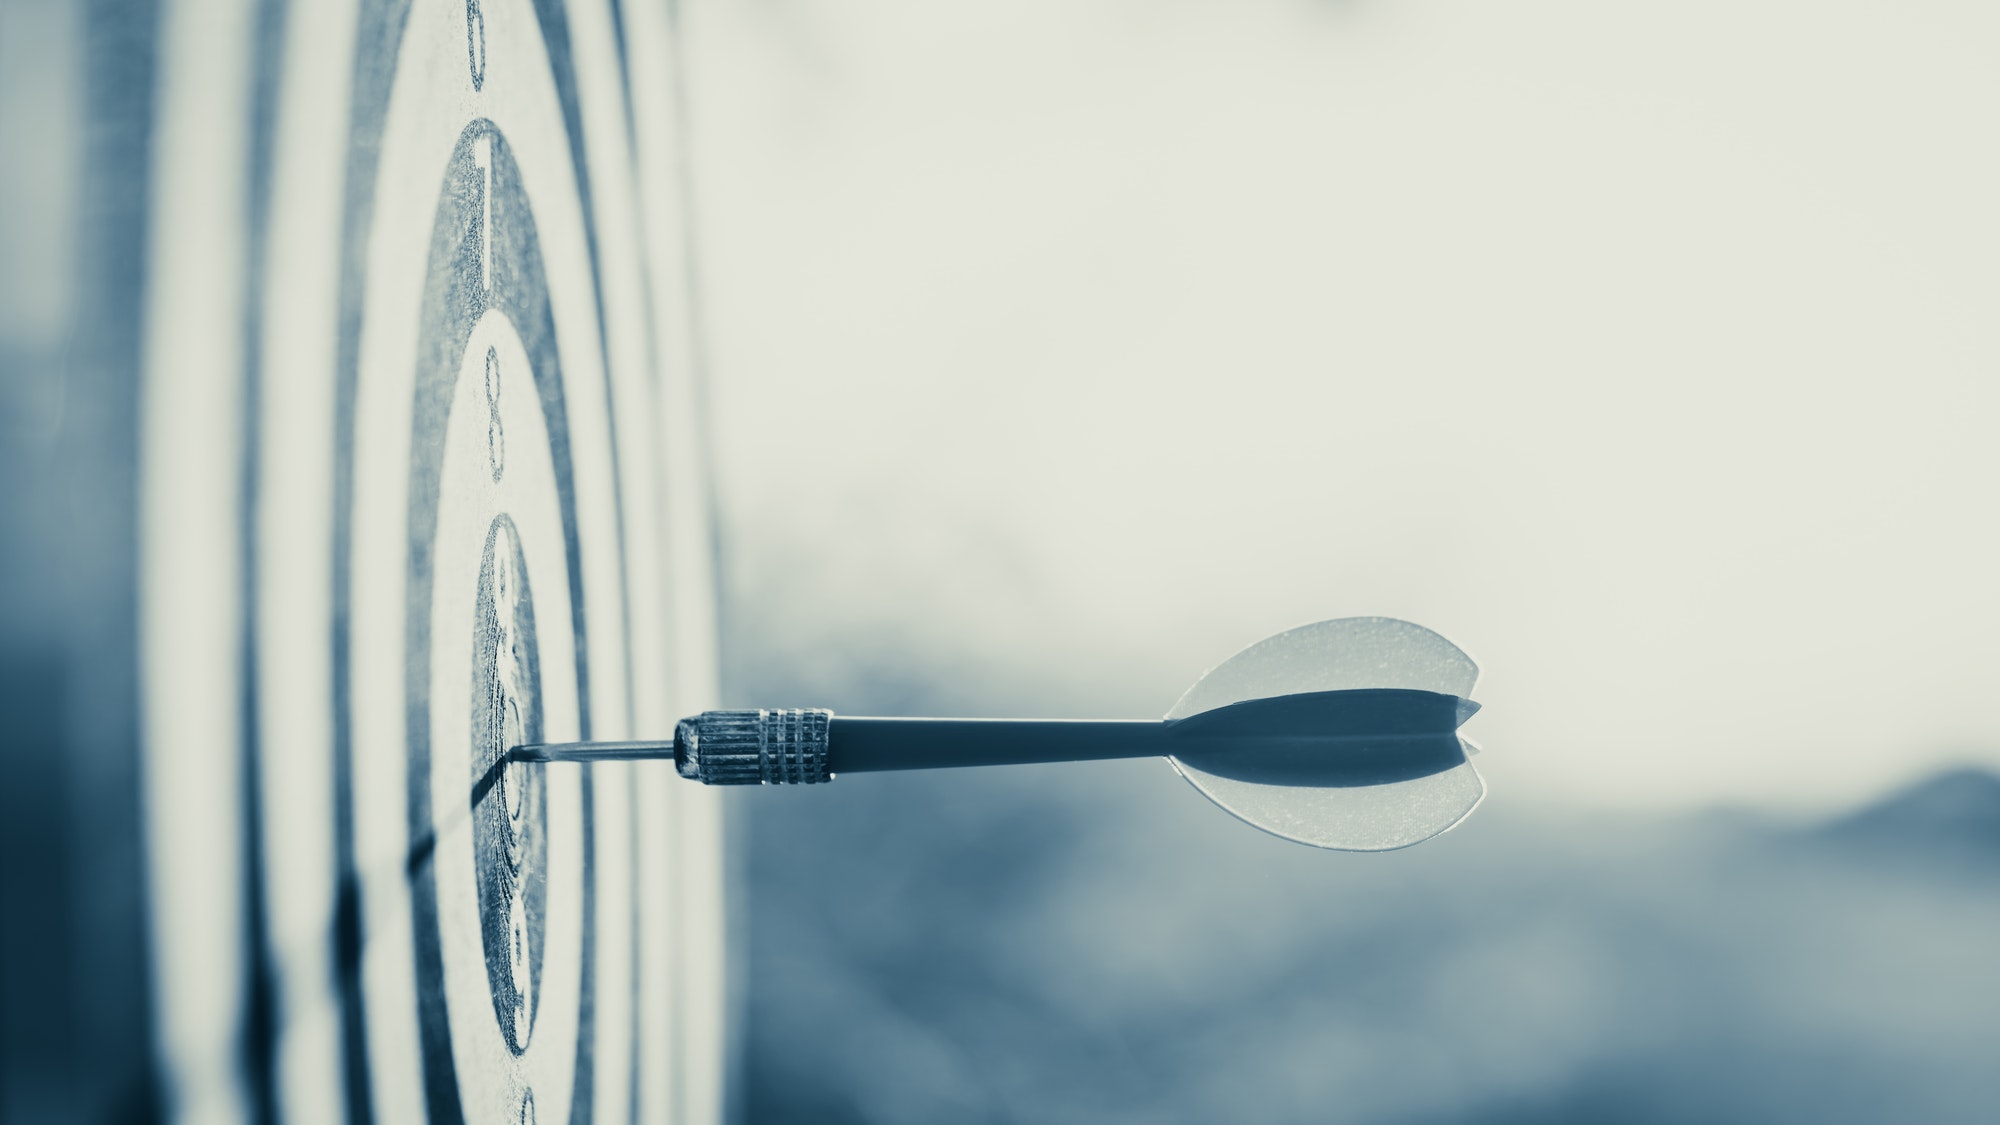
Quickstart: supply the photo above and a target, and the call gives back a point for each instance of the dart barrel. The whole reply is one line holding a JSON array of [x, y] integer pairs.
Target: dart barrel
[[788, 746]]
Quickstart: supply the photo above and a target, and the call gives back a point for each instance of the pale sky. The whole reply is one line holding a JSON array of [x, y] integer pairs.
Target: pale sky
[[1649, 351]]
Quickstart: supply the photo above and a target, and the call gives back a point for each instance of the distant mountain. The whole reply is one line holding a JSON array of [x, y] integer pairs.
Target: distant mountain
[[1953, 817]]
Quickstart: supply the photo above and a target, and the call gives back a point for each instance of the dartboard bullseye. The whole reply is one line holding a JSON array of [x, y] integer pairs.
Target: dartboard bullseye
[[509, 802], [465, 506]]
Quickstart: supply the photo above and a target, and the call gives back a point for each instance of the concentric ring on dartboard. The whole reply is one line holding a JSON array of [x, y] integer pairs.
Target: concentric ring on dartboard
[[510, 821], [487, 451], [479, 418]]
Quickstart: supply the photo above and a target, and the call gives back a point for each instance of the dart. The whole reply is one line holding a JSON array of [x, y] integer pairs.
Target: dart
[[1341, 734]]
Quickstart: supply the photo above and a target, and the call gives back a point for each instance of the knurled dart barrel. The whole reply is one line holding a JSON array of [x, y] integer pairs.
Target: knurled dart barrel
[[770, 747]]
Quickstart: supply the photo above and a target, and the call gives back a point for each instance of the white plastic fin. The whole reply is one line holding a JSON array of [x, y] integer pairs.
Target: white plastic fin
[[1347, 652], [1338, 655]]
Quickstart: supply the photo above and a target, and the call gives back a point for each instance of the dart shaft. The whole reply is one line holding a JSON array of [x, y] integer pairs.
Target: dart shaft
[[862, 744]]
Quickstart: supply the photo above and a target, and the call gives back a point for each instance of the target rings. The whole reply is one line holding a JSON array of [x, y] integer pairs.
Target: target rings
[[472, 531], [441, 335]]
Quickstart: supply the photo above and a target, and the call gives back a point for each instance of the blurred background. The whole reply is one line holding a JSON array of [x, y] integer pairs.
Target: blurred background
[[1060, 349]]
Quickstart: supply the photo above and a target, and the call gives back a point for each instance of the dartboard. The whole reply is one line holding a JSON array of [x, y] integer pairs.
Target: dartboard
[[422, 479]]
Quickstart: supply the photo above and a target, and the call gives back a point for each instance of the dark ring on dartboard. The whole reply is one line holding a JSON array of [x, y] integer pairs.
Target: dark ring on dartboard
[[485, 258], [509, 801]]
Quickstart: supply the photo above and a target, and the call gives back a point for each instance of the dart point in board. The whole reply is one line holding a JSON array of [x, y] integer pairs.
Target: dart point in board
[[1341, 734]]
